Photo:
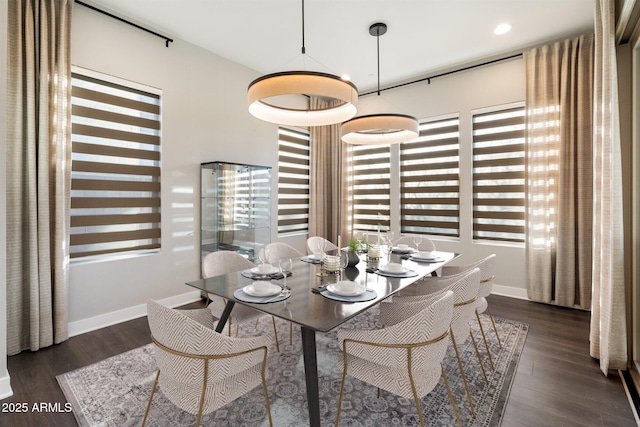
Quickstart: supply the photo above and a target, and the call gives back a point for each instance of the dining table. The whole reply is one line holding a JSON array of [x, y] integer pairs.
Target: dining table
[[310, 304]]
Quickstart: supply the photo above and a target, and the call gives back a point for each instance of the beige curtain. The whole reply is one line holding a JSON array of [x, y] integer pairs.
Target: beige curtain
[[608, 316], [559, 99], [38, 172], [326, 179]]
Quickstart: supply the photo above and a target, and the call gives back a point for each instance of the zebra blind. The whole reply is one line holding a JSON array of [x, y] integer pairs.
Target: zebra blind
[[115, 177], [370, 186], [293, 181], [430, 180], [498, 175]]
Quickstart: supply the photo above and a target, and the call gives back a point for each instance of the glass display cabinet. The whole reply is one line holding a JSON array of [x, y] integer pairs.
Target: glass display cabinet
[[235, 208]]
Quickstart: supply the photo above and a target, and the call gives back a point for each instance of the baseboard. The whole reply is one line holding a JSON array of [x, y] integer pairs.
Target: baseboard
[[509, 291], [632, 393], [130, 313], [5, 387]]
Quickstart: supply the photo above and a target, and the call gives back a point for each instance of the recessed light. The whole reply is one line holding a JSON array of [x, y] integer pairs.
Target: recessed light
[[502, 29]]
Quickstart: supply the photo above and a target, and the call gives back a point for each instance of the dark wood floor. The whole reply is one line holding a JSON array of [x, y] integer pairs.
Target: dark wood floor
[[557, 383]]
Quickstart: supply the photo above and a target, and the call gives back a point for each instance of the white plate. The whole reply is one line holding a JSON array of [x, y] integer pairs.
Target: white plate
[[436, 259], [270, 270], [406, 250], [359, 290], [393, 270], [272, 290]]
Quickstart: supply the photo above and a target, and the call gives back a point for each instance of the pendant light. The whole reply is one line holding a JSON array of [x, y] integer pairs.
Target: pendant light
[[265, 93], [379, 129]]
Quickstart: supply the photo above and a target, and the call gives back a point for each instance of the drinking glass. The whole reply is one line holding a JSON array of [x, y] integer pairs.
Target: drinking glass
[[286, 265], [417, 240], [360, 238], [344, 261], [386, 246], [390, 237]]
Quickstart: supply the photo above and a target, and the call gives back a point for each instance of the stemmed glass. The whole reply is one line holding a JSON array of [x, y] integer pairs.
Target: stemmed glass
[[344, 261], [386, 246], [360, 236], [390, 237], [286, 265], [417, 240]]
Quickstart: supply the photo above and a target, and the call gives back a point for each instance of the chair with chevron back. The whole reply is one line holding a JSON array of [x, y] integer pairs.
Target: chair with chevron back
[[405, 358], [200, 370], [487, 268], [465, 291]]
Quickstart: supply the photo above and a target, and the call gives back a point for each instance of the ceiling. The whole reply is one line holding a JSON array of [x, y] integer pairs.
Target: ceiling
[[424, 37]]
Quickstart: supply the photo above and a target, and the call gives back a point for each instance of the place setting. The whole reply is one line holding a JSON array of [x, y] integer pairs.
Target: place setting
[[394, 269], [314, 258], [426, 256], [262, 292], [346, 291], [265, 271]]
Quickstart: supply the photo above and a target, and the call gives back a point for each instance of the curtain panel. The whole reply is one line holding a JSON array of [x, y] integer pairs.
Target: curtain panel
[[38, 172], [608, 334], [559, 110], [326, 179]]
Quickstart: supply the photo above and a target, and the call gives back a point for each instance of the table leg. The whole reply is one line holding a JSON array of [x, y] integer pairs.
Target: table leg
[[311, 375], [225, 316]]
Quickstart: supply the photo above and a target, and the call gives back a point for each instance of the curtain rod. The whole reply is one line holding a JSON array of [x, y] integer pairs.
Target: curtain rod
[[166, 39], [428, 79]]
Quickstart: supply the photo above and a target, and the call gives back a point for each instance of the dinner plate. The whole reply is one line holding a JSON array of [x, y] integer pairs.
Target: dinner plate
[[270, 270], [436, 259], [393, 271], [359, 290], [272, 290]]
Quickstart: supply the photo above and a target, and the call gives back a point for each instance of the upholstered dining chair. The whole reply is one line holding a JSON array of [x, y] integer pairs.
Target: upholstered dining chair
[[319, 244], [200, 370], [277, 250], [224, 262], [404, 359], [465, 291], [426, 243], [487, 268]]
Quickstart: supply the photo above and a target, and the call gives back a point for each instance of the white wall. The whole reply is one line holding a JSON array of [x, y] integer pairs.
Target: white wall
[[5, 386], [205, 119]]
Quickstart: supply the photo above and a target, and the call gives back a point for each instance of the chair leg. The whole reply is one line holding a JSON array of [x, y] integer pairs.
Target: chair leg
[[494, 326], [204, 390], [453, 402], [464, 376], [266, 394], [473, 340], [275, 333], [237, 328], [413, 387], [290, 333], [153, 390], [486, 344], [344, 376], [229, 329]]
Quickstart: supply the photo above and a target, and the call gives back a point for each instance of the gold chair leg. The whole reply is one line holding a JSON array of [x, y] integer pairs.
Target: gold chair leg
[[473, 340], [266, 394], [204, 390], [344, 376], [453, 402], [413, 387], [275, 333], [237, 328], [486, 344], [464, 376], [494, 326], [153, 390]]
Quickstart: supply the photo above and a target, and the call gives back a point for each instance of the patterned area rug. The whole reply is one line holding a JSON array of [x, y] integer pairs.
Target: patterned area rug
[[115, 391]]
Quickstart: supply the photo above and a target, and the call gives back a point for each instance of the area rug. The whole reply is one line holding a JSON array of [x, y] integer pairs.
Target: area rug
[[115, 391]]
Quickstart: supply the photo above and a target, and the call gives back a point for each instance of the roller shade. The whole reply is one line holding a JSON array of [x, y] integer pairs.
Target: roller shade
[[293, 181], [498, 175], [370, 186], [430, 180], [115, 178]]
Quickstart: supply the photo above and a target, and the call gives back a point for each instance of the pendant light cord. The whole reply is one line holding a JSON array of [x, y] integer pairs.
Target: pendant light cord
[[378, 46], [303, 49]]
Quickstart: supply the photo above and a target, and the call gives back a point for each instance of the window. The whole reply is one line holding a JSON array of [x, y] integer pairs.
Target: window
[[370, 186], [115, 178], [293, 181], [498, 175], [430, 180]]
